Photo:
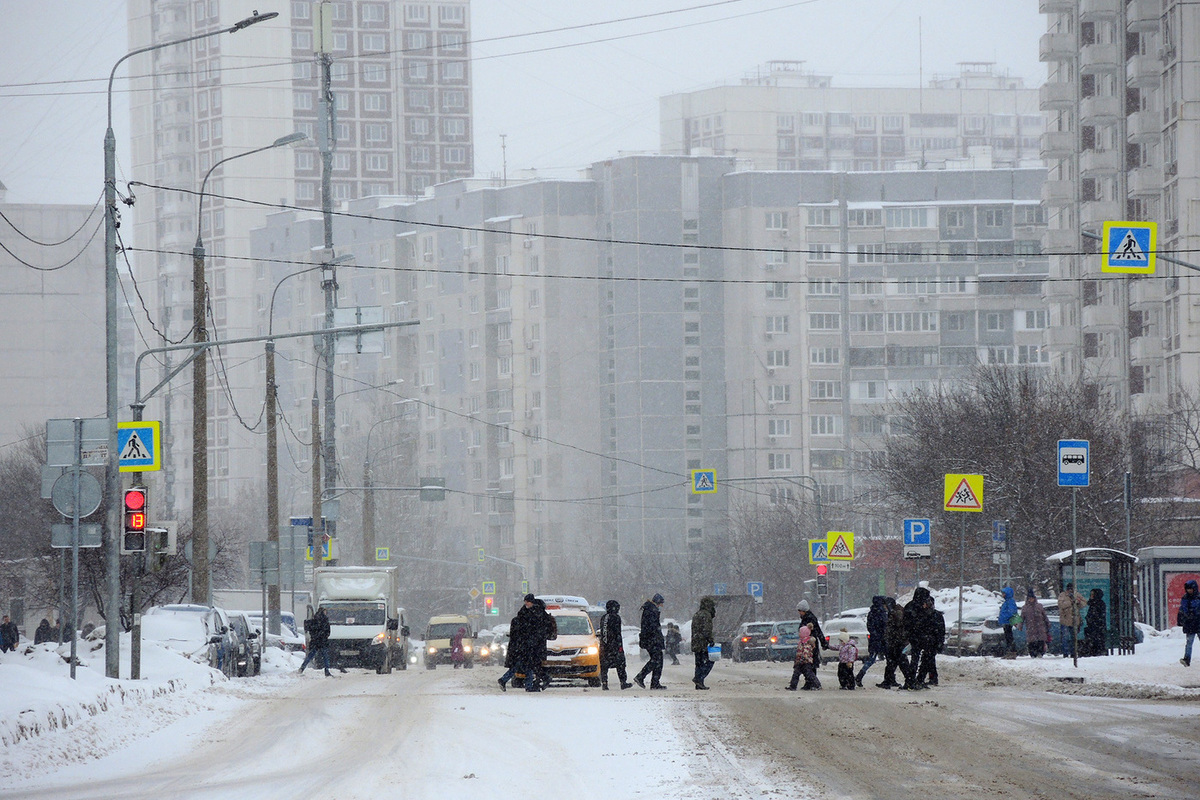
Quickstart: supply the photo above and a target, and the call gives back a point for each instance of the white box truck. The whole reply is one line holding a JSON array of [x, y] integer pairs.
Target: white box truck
[[367, 627]]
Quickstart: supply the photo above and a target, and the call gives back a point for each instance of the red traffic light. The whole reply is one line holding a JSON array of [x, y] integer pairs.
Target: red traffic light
[[822, 569], [135, 499]]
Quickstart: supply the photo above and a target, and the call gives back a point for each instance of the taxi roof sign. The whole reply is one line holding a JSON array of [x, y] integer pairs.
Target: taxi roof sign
[[1128, 247]]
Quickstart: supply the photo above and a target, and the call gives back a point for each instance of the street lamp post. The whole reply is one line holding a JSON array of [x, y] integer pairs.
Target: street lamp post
[[368, 525], [201, 569], [112, 658]]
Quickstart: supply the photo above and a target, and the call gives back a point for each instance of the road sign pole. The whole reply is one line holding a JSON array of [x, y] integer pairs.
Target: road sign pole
[[962, 571], [1074, 547], [75, 550]]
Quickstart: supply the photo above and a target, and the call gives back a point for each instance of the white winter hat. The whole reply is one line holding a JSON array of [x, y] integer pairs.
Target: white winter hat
[[802, 605]]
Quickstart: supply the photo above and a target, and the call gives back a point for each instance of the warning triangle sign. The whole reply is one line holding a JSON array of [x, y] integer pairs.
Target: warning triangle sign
[[1128, 250], [134, 449], [840, 549], [964, 498]]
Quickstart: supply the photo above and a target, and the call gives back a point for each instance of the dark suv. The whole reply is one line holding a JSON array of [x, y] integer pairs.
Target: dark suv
[[751, 640], [248, 655]]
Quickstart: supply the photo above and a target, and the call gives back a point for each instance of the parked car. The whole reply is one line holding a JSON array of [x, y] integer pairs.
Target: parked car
[[248, 655], [288, 638], [972, 635], [781, 645], [750, 642], [220, 642], [854, 624]]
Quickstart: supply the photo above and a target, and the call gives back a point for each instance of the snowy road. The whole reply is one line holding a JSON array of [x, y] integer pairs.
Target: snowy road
[[422, 734]]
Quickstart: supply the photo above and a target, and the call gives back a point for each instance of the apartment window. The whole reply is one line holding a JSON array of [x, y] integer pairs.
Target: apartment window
[[377, 162], [777, 220], [779, 393], [955, 322], [822, 217], [451, 42], [993, 218], [909, 218], [995, 321], [777, 324], [824, 286], [375, 102], [374, 42], [866, 323], [455, 155], [999, 355], [825, 390], [779, 358], [779, 428], [416, 14], [454, 99], [825, 322], [779, 462], [870, 253], [535, 298], [419, 98], [1036, 320], [955, 218], [777, 291], [454, 126], [1032, 354], [418, 126], [825, 425], [454, 71], [504, 331], [375, 132], [374, 73], [865, 217], [912, 321], [418, 154], [824, 355]]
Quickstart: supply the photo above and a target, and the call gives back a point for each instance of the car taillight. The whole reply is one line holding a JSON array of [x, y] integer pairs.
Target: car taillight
[[774, 639], [745, 639]]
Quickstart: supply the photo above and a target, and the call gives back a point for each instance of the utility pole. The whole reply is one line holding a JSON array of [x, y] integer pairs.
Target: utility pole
[[326, 141], [273, 620]]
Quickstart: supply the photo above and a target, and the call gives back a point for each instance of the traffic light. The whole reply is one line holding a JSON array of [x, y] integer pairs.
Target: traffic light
[[489, 606], [822, 569], [822, 580], [133, 539]]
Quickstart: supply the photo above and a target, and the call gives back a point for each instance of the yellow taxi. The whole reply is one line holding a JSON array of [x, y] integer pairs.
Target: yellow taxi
[[575, 654]]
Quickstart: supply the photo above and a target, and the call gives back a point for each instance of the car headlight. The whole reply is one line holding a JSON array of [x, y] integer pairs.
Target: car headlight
[[592, 650], [483, 651], [466, 648], [412, 659], [380, 637], [433, 651]]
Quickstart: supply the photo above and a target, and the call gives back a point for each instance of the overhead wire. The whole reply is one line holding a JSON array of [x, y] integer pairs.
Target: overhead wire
[[63, 265], [29, 238]]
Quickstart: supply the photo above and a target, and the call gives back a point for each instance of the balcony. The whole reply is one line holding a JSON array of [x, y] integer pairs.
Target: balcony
[[1099, 107], [1146, 348], [1144, 71], [1093, 161], [1143, 15], [1056, 96], [1100, 211], [1092, 10], [1055, 6], [1099, 58], [1143, 125], [1061, 337], [1145, 180], [1062, 240], [1058, 193], [1058, 144], [1057, 47]]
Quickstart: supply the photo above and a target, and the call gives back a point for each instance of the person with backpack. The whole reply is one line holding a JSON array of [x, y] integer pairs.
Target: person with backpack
[[1188, 618], [650, 639], [612, 648], [897, 639], [807, 653]]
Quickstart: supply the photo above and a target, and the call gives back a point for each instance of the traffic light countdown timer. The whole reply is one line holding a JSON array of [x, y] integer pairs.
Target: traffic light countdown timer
[[133, 538]]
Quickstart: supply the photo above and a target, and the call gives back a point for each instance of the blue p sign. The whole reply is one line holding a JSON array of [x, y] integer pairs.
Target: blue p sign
[[916, 532]]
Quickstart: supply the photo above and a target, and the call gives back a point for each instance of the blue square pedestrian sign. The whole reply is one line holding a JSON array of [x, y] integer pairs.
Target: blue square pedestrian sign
[[139, 446], [704, 481], [1129, 247]]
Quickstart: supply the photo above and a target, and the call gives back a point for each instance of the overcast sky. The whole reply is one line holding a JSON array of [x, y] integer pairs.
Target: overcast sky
[[561, 109]]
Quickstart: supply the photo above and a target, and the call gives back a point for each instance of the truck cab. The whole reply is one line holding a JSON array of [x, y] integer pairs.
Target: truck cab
[[367, 627]]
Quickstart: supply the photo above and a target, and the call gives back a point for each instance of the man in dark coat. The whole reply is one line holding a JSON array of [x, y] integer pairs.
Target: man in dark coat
[[514, 656], [10, 637], [897, 638], [612, 648], [1188, 618], [650, 639], [807, 617], [876, 636], [318, 639], [43, 632], [702, 639], [536, 627], [927, 634]]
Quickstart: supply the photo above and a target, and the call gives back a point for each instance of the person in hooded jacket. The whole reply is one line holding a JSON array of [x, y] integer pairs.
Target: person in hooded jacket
[[897, 638], [807, 617], [514, 657], [530, 642], [807, 653], [612, 648], [876, 636], [318, 640], [650, 639], [1008, 610], [673, 639], [43, 632], [927, 635], [702, 639], [1037, 626], [1095, 634], [458, 655], [1188, 618]]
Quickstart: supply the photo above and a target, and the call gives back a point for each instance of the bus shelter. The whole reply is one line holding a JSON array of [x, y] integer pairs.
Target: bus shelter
[[1112, 572]]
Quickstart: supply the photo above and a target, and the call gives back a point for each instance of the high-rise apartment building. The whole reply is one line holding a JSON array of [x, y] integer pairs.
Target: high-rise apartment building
[[1122, 143], [784, 117], [584, 345], [400, 80]]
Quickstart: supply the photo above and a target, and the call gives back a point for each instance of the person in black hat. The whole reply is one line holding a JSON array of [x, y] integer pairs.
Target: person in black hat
[[514, 659], [612, 648], [651, 640]]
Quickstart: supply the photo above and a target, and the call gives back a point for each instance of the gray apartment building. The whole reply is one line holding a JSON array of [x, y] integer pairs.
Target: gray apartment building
[[401, 86], [1122, 144], [584, 345]]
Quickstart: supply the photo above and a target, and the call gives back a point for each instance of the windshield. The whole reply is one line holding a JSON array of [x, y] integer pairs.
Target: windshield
[[766, 628], [573, 626], [446, 630], [788, 629], [356, 613]]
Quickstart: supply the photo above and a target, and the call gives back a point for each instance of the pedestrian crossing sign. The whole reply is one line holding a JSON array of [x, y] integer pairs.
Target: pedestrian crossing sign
[[963, 493], [818, 551], [139, 446], [704, 481], [1129, 247]]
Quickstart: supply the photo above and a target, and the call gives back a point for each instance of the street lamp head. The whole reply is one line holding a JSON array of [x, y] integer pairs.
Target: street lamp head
[[254, 19], [282, 141]]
